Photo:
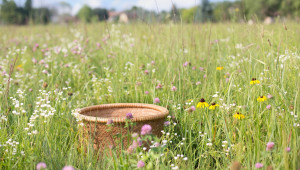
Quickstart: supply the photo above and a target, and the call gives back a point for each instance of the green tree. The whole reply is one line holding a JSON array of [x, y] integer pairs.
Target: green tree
[[101, 13], [9, 12], [175, 14], [206, 11], [41, 15], [188, 15], [85, 14]]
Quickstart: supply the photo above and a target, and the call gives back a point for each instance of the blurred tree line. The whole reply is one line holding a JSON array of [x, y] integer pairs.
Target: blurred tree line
[[235, 11], [12, 14]]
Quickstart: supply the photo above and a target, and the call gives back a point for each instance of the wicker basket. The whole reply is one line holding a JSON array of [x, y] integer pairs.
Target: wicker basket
[[95, 119]]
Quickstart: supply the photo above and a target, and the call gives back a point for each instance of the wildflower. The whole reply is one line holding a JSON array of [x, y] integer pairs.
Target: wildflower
[[269, 106], [137, 142], [34, 60], [186, 64], [261, 98], [288, 149], [146, 92], [269, 96], [259, 165], [213, 106], [156, 100], [201, 68], [238, 115], [146, 72], [209, 144], [129, 116], [193, 108], [227, 80], [220, 68], [146, 129], [270, 146], [110, 121], [153, 62], [254, 81], [159, 86], [140, 164], [194, 68], [68, 168], [41, 165], [173, 88], [204, 76], [202, 104], [167, 123], [197, 83]]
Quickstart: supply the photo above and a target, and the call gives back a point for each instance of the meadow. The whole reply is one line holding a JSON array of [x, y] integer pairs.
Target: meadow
[[232, 91]]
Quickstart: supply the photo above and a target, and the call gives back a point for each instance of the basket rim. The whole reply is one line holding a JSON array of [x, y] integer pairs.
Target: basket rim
[[164, 112]]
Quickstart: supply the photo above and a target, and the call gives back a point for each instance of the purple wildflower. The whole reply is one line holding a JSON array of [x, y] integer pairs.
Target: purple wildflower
[[186, 64], [173, 88], [109, 122], [129, 116], [198, 82], [288, 149], [269, 106], [167, 123], [146, 92], [146, 129]]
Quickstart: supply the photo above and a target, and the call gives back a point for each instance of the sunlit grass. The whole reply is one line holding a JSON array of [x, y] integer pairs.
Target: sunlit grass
[[62, 68]]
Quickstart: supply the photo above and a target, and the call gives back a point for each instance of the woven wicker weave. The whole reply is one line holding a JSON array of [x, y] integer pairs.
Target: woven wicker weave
[[96, 117]]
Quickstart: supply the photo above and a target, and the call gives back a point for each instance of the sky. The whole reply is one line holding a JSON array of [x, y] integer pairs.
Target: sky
[[119, 5]]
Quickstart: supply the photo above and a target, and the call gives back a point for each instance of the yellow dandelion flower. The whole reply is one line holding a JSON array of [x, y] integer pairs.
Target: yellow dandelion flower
[[213, 106], [220, 68], [261, 98], [202, 104], [239, 116], [254, 81]]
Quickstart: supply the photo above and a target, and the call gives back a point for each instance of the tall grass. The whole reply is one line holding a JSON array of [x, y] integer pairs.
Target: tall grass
[[61, 68]]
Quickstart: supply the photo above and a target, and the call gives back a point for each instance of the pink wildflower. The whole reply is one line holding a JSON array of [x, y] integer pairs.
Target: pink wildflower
[[68, 168], [41, 165], [270, 146], [156, 100], [140, 164], [146, 129], [259, 165]]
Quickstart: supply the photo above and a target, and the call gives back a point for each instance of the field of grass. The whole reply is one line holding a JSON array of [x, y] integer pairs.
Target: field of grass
[[56, 69]]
